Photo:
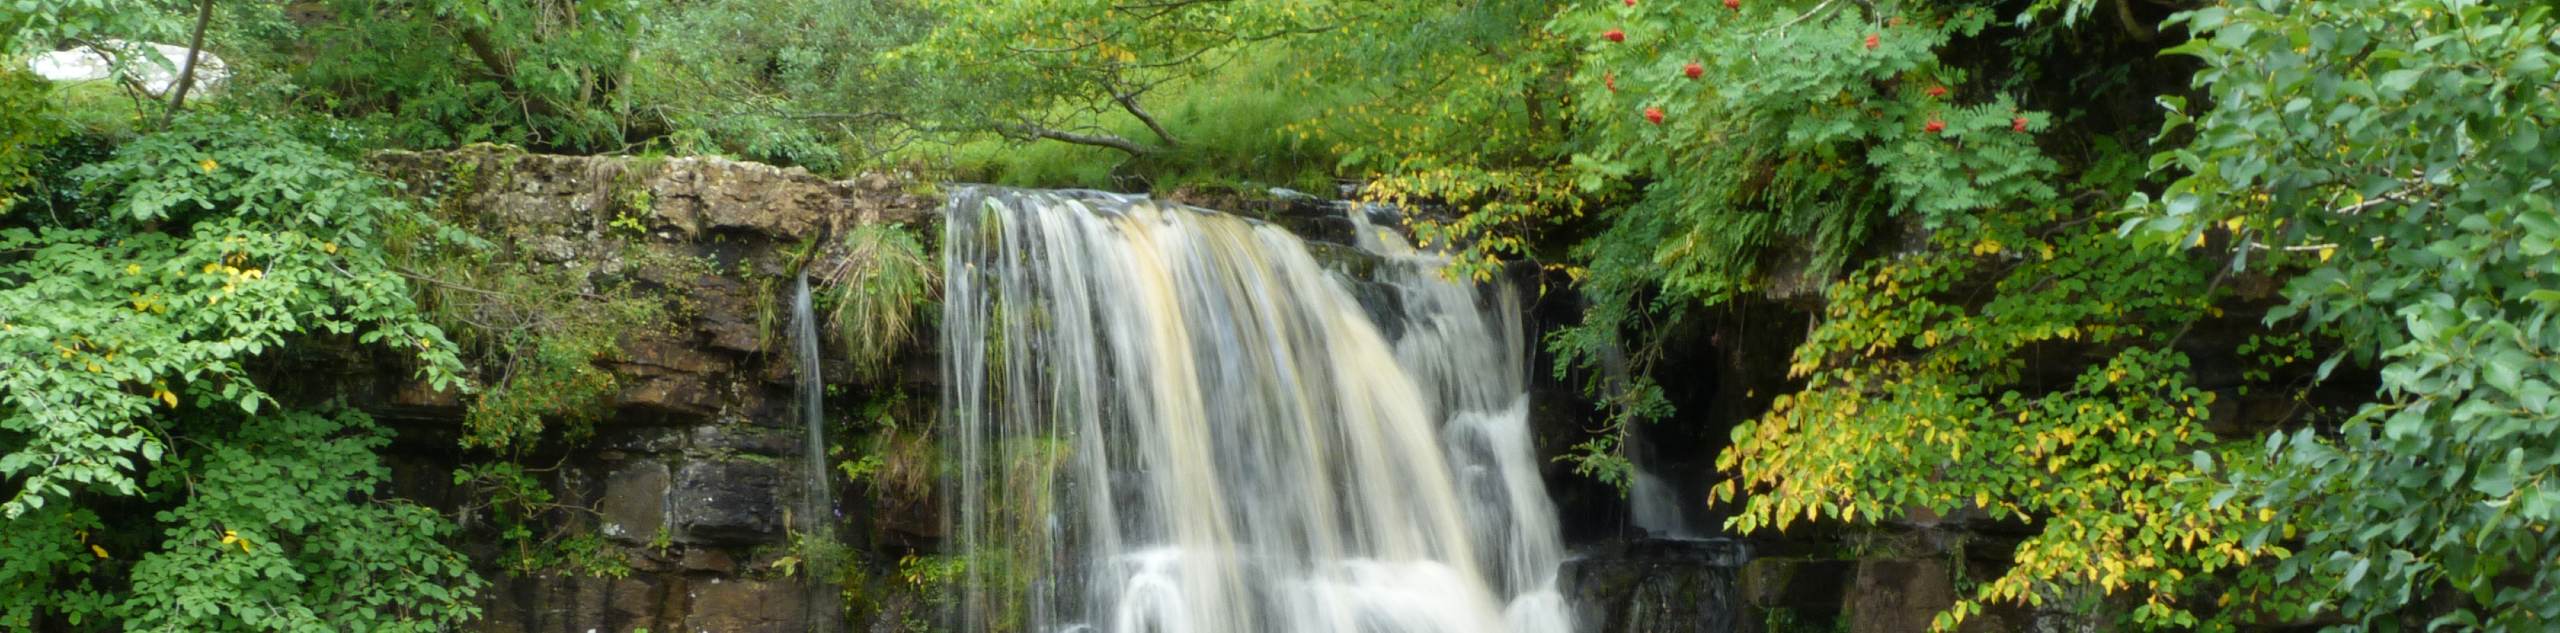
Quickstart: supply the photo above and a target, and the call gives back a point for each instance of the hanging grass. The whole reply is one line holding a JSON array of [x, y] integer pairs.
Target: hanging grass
[[876, 291]]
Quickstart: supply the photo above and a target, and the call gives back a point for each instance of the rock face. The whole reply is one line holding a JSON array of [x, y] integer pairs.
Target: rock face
[[685, 483], [1652, 586], [676, 505]]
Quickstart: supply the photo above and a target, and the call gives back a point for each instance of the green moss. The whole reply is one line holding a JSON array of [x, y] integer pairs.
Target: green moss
[[532, 333]]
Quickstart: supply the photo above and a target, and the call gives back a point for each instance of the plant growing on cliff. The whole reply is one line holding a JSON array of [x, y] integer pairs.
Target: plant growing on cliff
[[879, 284]]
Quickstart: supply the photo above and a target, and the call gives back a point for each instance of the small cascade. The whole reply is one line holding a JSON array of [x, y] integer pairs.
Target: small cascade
[[816, 516], [1652, 501], [1167, 420], [817, 500], [1656, 507]]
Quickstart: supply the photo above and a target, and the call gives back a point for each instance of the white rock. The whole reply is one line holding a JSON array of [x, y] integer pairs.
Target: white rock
[[154, 66]]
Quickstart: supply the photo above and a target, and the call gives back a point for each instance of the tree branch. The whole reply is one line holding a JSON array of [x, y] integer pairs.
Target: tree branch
[[187, 72], [1098, 140], [1129, 101], [502, 68]]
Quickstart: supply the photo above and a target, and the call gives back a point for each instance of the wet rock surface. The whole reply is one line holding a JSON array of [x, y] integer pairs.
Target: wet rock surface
[[1656, 586], [682, 482], [686, 476]]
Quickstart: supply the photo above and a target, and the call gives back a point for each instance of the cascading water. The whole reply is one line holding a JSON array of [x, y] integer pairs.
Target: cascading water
[[817, 502], [1168, 419], [1656, 507], [816, 514]]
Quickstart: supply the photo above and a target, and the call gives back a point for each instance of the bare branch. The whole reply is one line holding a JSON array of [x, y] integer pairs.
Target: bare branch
[[187, 72]]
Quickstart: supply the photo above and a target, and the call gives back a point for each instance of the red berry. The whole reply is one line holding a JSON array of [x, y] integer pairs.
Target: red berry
[[1631, 3], [1610, 80], [1693, 70], [1873, 41], [2019, 124], [1935, 126], [1615, 35], [1937, 91], [1654, 115], [1733, 4]]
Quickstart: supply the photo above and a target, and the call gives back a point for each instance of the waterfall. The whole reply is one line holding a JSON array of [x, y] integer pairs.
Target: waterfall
[[817, 501], [1164, 419], [816, 515], [1656, 507]]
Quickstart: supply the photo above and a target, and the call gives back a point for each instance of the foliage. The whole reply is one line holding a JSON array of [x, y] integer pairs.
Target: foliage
[[878, 285], [280, 531], [532, 333], [28, 124], [2397, 148], [794, 81], [110, 319], [531, 521], [447, 72], [1041, 70], [267, 523], [1489, 138], [47, 564], [1916, 399], [36, 25], [1794, 141]]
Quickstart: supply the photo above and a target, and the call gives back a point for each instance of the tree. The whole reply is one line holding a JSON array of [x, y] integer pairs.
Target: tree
[[2398, 150], [1044, 70]]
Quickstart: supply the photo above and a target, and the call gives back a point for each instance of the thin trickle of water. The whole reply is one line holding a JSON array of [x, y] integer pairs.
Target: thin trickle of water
[[816, 515], [1656, 506], [817, 502], [1164, 419]]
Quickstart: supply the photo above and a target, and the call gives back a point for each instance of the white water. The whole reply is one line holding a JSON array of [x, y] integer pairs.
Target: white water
[[815, 519], [817, 503], [1170, 420], [1656, 507]]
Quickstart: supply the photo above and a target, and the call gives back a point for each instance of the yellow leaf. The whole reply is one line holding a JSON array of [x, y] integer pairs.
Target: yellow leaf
[[100, 551], [132, 269], [2326, 251], [208, 165]]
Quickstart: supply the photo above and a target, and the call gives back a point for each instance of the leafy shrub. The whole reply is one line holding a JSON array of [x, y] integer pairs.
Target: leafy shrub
[[200, 248], [281, 531]]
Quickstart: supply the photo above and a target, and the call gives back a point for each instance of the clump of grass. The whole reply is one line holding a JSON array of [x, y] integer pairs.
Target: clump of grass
[[879, 288]]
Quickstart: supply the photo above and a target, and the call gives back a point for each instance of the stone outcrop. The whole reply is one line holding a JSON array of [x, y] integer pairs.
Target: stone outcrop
[[692, 467], [684, 486]]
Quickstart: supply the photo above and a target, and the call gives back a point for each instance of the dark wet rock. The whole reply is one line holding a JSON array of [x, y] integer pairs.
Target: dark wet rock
[[727, 501], [747, 606], [1895, 596], [752, 440], [634, 507], [1656, 587]]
